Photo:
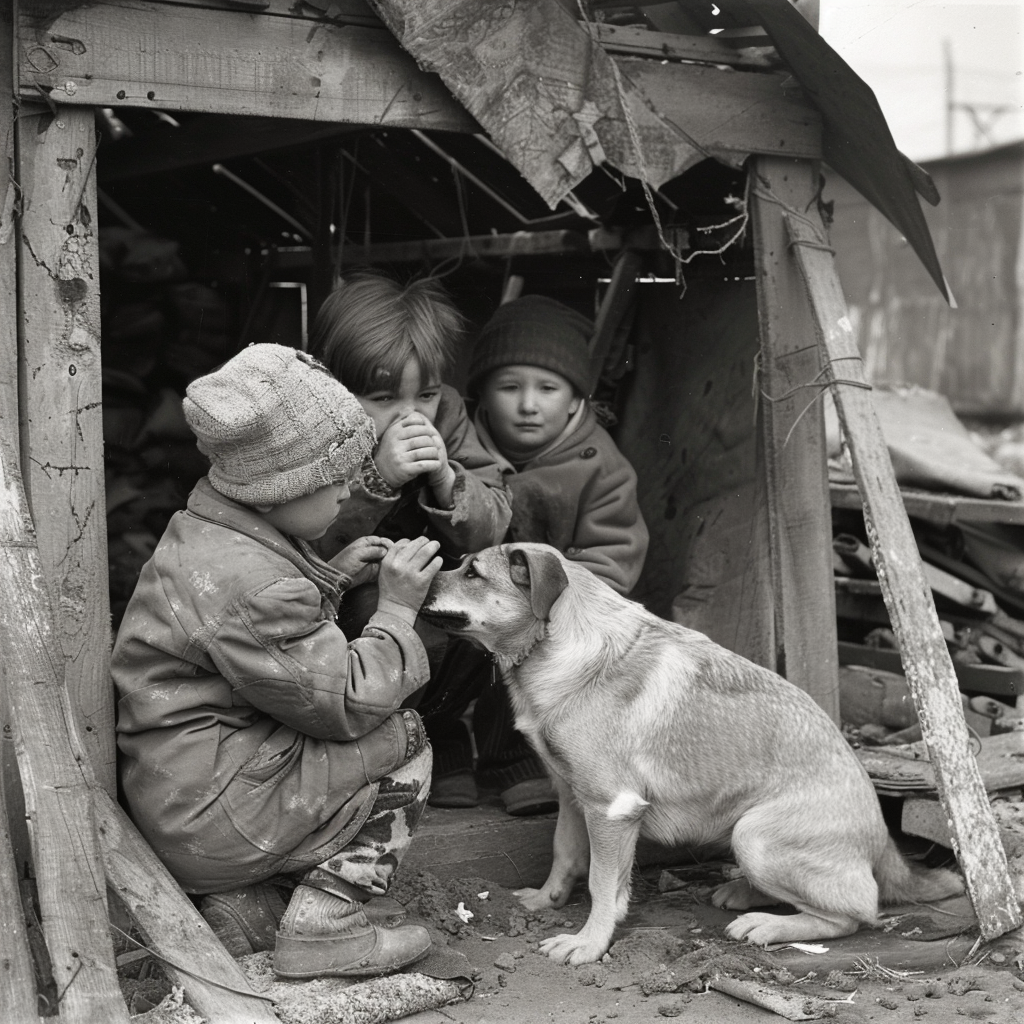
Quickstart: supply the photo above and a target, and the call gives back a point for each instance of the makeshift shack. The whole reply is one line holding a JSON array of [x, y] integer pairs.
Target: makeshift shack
[[187, 177]]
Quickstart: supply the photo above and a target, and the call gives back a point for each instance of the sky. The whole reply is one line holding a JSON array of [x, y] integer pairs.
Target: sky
[[897, 47]]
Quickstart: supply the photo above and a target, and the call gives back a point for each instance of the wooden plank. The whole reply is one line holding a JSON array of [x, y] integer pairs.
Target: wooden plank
[[926, 659], [9, 430], [53, 765], [997, 680], [729, 113], [206, 140], [794, 449], [61, 412], [161, 56], [614, 307], [641, 42], [189, 952], [17, 979], [517, 244], [941, 509]]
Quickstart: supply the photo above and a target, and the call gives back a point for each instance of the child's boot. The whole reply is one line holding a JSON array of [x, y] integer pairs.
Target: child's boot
[[325, 935]]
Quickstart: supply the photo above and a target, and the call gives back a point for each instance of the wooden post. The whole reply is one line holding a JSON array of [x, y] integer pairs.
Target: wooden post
[[793, 433], [61, 407], [9, 400], [192, 956], [69, 873], [926, 660], [628, 264]]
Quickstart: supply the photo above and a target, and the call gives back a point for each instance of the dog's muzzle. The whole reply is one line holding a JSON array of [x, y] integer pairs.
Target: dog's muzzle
[[450, 622]]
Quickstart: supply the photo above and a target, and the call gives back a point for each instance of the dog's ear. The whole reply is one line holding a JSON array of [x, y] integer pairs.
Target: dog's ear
[[542, 571]]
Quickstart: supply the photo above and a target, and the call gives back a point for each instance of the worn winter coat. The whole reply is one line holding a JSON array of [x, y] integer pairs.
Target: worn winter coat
[[580, 497], [479, 514], [251, 733]]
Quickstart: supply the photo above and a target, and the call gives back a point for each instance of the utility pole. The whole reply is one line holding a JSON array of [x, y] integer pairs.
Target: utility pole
[[947, 53]]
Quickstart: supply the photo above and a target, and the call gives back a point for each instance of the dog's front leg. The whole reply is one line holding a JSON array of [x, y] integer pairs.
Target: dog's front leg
[[570, 859], [612, 846]]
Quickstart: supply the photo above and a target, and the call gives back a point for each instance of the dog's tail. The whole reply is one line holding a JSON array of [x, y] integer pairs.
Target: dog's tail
[[902, 882]]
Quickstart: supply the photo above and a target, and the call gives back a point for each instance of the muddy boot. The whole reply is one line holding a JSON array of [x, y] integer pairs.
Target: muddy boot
[[245, 920], [324, 935]]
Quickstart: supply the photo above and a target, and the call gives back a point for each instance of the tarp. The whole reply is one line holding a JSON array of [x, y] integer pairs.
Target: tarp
[[545, 92], [555, 104]]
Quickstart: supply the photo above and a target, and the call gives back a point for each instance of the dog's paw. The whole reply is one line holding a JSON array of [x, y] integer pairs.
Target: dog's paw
[[541, 899], [739, 894], [760, 929], [574, 949]]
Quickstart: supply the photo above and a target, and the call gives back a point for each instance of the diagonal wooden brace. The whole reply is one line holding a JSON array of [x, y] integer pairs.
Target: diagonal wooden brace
[[926, 660]]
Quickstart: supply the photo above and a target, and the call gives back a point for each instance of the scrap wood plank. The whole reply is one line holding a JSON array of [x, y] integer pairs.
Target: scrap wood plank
[[53, 767], [926, 660], [794, 456], [642, 42], [188, 951], [614, 307], [168, 56], [9, 781]]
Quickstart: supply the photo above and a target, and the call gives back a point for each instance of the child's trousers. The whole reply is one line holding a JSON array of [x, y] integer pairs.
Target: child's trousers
[[364, 867]]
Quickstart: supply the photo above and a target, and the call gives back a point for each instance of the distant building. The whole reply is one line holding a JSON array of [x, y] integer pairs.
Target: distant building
[[974, 354]]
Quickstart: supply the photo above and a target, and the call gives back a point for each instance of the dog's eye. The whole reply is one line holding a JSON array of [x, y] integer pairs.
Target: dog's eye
[[471, 573]]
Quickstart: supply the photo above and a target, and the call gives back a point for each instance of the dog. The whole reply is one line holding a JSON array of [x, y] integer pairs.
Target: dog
[[649, 728]]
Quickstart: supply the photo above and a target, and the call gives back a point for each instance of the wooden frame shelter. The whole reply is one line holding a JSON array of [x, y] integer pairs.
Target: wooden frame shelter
[[651, 103]]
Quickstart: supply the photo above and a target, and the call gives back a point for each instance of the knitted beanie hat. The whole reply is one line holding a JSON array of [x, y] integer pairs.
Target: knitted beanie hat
[[537, 331], [276, 425]]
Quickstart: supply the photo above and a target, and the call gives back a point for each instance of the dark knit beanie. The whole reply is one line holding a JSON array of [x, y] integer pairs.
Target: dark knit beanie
[[537, 331]]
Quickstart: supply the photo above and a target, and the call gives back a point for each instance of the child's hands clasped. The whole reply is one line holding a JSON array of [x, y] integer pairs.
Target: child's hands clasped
[[405, 574], [411, 447], [360, 561]]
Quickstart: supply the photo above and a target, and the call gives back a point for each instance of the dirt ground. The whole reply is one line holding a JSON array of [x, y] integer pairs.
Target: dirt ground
[[673, 944], [671, 949]]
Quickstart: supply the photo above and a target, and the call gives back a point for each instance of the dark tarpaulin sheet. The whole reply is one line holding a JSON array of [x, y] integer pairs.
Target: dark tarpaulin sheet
[[856, 140]]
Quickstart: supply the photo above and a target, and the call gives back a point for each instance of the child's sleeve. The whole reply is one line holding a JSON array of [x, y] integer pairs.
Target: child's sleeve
[[480, 510], [282, 657], [611, 536]]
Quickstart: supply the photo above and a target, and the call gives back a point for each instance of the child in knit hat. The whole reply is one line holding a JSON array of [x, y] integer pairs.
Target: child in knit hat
[[262, 751], [571, 487], [390, 344]]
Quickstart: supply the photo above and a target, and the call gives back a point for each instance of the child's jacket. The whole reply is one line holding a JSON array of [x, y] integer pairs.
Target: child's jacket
[[579, 496], [480, 512], [252, 734]]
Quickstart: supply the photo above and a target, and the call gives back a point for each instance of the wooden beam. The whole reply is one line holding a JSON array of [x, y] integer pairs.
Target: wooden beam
[[515, 244], [628, 265], [17, 979], [925, 657], [729, 114], [207, 140], [54, 769], [9, 430], [641, 42], [189, 952], [165, 56], [61, 408], [793, 430]]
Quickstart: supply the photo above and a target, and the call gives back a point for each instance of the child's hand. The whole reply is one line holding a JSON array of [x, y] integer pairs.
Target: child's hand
[[411, 447], [360, 561], [405, 575]]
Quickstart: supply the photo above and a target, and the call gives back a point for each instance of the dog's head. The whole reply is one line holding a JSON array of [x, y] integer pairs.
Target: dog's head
[[500, 598]]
